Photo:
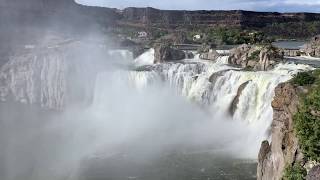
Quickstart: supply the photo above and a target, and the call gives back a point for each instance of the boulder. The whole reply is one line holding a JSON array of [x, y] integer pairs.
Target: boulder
[[165, 53]]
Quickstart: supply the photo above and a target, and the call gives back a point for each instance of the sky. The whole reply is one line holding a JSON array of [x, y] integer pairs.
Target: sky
[[255, 5]]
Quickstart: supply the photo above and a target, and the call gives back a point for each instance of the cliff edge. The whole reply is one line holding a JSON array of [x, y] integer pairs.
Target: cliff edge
[[284, 148]]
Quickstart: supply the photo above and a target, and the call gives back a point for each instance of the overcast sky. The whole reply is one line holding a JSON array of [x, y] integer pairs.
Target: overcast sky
[[257, 5]]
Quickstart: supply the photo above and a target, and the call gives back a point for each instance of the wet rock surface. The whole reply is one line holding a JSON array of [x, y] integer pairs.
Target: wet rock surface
[[165, 53]]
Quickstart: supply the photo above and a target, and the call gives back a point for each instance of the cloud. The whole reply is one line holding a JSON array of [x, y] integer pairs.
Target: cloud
[[256, 5]]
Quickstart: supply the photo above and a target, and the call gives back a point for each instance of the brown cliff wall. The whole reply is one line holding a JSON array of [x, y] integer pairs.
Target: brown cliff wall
[[283, 149]]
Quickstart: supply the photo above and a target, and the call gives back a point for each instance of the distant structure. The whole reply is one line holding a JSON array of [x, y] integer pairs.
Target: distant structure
[[197, 37], [142, 34]]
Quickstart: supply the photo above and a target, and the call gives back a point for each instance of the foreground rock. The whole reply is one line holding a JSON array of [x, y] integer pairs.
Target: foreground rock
[[165, 53], [255, 57], [284, 148], [313, 47]]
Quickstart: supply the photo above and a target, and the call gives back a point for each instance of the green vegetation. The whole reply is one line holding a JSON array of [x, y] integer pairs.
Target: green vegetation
[[295, 172], [229, 36], [303, 78], [255, 55], [307, 120], [307, 123]]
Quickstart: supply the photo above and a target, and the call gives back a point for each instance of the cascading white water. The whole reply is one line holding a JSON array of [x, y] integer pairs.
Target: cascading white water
[[191, 79]]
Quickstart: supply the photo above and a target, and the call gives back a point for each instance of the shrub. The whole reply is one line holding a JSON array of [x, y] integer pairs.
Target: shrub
[[303, 78], [307, 119], [295, 172], [255, 55], [307, 125]]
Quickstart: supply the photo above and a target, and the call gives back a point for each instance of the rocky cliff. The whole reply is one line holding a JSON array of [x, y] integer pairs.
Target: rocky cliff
[[151, 16], [255, 57], [283, 149], [313, 47]]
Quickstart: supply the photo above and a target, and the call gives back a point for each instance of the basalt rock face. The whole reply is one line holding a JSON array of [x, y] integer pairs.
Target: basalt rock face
[[269, 57], [254, 57], [313, 47], [284, 148], [151, 16], [165, 53]]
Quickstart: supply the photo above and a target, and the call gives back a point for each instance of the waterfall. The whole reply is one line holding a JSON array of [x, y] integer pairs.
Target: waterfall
[[214, 86]]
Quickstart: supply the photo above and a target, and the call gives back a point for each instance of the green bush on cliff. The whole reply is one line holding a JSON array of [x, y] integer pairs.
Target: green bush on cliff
[[295, 172], [255, 55], [307, 120], [307, 126], [303, 78]]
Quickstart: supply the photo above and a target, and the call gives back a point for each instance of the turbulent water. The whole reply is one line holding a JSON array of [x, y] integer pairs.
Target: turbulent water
[[191, 79]]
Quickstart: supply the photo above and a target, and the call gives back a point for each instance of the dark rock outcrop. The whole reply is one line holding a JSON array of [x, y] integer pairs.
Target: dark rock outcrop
[[165, 53], [240, 56], [313, 47], [254, 57], [213, 78], [269, 57], [284, 148], [235, 101]]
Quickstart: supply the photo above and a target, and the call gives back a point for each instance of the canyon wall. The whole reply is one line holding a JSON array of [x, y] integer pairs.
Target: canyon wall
[[238, 18]]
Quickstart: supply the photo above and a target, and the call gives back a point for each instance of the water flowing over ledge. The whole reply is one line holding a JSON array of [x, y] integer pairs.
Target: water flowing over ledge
[[218, 88]]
